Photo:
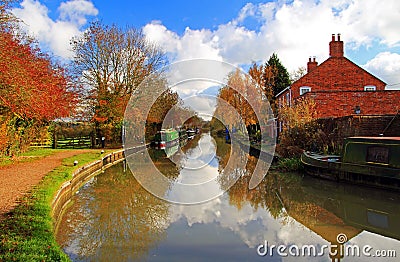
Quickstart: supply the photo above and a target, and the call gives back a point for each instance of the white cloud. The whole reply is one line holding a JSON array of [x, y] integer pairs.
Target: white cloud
[[294, 30], [248, 10], [386, 65], [55, 35], [193, 43], [76, 11]]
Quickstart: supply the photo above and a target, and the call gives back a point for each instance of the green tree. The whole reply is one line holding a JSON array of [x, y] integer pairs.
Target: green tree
[[281, 79]]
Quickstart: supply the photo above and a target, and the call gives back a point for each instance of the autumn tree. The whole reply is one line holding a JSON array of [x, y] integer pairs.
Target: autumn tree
[[111, 62], [297, 74], [238, 93], [7, 19], [300, 131], [264, 76], [33, 88]]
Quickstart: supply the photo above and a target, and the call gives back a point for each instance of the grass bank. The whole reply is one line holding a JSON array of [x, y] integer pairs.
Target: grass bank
[[30, 155], [293, 164], [26, 233]]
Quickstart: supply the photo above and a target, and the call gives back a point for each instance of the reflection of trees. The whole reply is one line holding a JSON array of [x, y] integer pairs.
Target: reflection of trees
[[284, 195], [261, 196], [119, 218], [191, 144], [160, 160]]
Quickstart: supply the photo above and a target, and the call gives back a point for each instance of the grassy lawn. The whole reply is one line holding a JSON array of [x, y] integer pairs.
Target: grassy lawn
[[30, 155], [26, 233]]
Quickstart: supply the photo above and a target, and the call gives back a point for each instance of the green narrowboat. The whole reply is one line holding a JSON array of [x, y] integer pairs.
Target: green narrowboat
[[365, 160], [166, 138]]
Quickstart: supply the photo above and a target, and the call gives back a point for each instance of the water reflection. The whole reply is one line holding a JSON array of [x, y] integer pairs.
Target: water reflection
[[113, 217]]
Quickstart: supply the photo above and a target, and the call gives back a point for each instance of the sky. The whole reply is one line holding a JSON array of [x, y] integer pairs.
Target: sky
[[235, 31]]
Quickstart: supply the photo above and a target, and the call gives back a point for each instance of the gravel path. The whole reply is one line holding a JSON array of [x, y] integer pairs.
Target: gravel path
[[18, 179]]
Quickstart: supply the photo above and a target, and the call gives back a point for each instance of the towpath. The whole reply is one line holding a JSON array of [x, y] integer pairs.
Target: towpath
[[19, 178]]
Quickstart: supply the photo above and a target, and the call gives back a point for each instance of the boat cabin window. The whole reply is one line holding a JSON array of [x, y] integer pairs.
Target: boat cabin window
[[378, 154]]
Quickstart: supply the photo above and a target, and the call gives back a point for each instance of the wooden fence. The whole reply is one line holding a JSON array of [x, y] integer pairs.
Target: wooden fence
[[77, 142]]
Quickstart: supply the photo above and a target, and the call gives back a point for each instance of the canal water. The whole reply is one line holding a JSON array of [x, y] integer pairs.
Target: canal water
[[113, 218]]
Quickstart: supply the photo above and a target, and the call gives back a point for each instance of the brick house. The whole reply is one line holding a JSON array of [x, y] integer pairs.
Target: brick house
[[341, 88]]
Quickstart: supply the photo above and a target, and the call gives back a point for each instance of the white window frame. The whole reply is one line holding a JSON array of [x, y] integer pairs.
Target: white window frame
[[369, 88], [304, 89]]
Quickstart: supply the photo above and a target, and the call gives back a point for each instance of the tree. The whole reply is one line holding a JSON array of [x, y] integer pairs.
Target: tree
[[264, 76], [33, 88], [238, 93], [112, 62], [281, 77], [300, 130], [297, 74], [6, 17]]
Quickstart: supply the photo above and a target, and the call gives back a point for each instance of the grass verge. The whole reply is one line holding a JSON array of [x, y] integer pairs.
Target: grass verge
[[30, 155], [290, 164], [26, 233]]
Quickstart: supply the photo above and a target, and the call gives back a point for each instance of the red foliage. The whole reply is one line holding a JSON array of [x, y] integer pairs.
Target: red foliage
[[30, 85]]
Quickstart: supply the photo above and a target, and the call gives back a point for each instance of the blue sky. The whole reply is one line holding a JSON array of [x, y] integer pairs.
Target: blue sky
[[237, 32], [175, 15]]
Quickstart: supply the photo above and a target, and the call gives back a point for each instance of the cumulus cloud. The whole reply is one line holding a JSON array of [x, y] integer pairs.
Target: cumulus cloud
[[55, 35], [294, 30], [76, 11], [193, 43], [386, 65]]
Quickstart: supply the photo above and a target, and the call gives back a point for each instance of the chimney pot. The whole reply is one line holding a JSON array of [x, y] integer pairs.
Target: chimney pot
[[314, 59], [336, 47], [309, 59]]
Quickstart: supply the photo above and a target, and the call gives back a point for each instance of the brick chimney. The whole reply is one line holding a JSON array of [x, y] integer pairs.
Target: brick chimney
[[311, 65], [336, 46]]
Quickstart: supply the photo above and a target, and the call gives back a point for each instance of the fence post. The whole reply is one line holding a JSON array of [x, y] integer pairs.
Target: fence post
[[55, 140]]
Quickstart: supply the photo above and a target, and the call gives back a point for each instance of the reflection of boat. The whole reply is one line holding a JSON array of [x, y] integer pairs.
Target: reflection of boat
[[171, 150], [357, 207], [166, 138], [365, 160]]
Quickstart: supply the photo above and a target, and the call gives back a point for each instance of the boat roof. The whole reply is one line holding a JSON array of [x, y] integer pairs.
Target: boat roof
[[396, 138]]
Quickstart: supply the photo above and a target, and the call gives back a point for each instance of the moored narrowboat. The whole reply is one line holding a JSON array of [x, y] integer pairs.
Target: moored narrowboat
[[166, 138], [365, 160]]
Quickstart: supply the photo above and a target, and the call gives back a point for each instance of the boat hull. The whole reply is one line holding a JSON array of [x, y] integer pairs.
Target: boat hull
[[370, 175]]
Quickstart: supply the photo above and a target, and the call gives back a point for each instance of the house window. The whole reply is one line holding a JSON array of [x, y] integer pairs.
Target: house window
[[304, 89], [370, 88], [288, 98]]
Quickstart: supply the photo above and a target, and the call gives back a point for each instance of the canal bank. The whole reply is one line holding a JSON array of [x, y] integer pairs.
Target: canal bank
[[27, 231]]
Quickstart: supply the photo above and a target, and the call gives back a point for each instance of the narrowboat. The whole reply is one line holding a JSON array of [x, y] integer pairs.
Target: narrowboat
[[166, 138], [373, 161]]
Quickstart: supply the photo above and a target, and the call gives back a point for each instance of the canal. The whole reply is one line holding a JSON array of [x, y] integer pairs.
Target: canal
[[113, 218]]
